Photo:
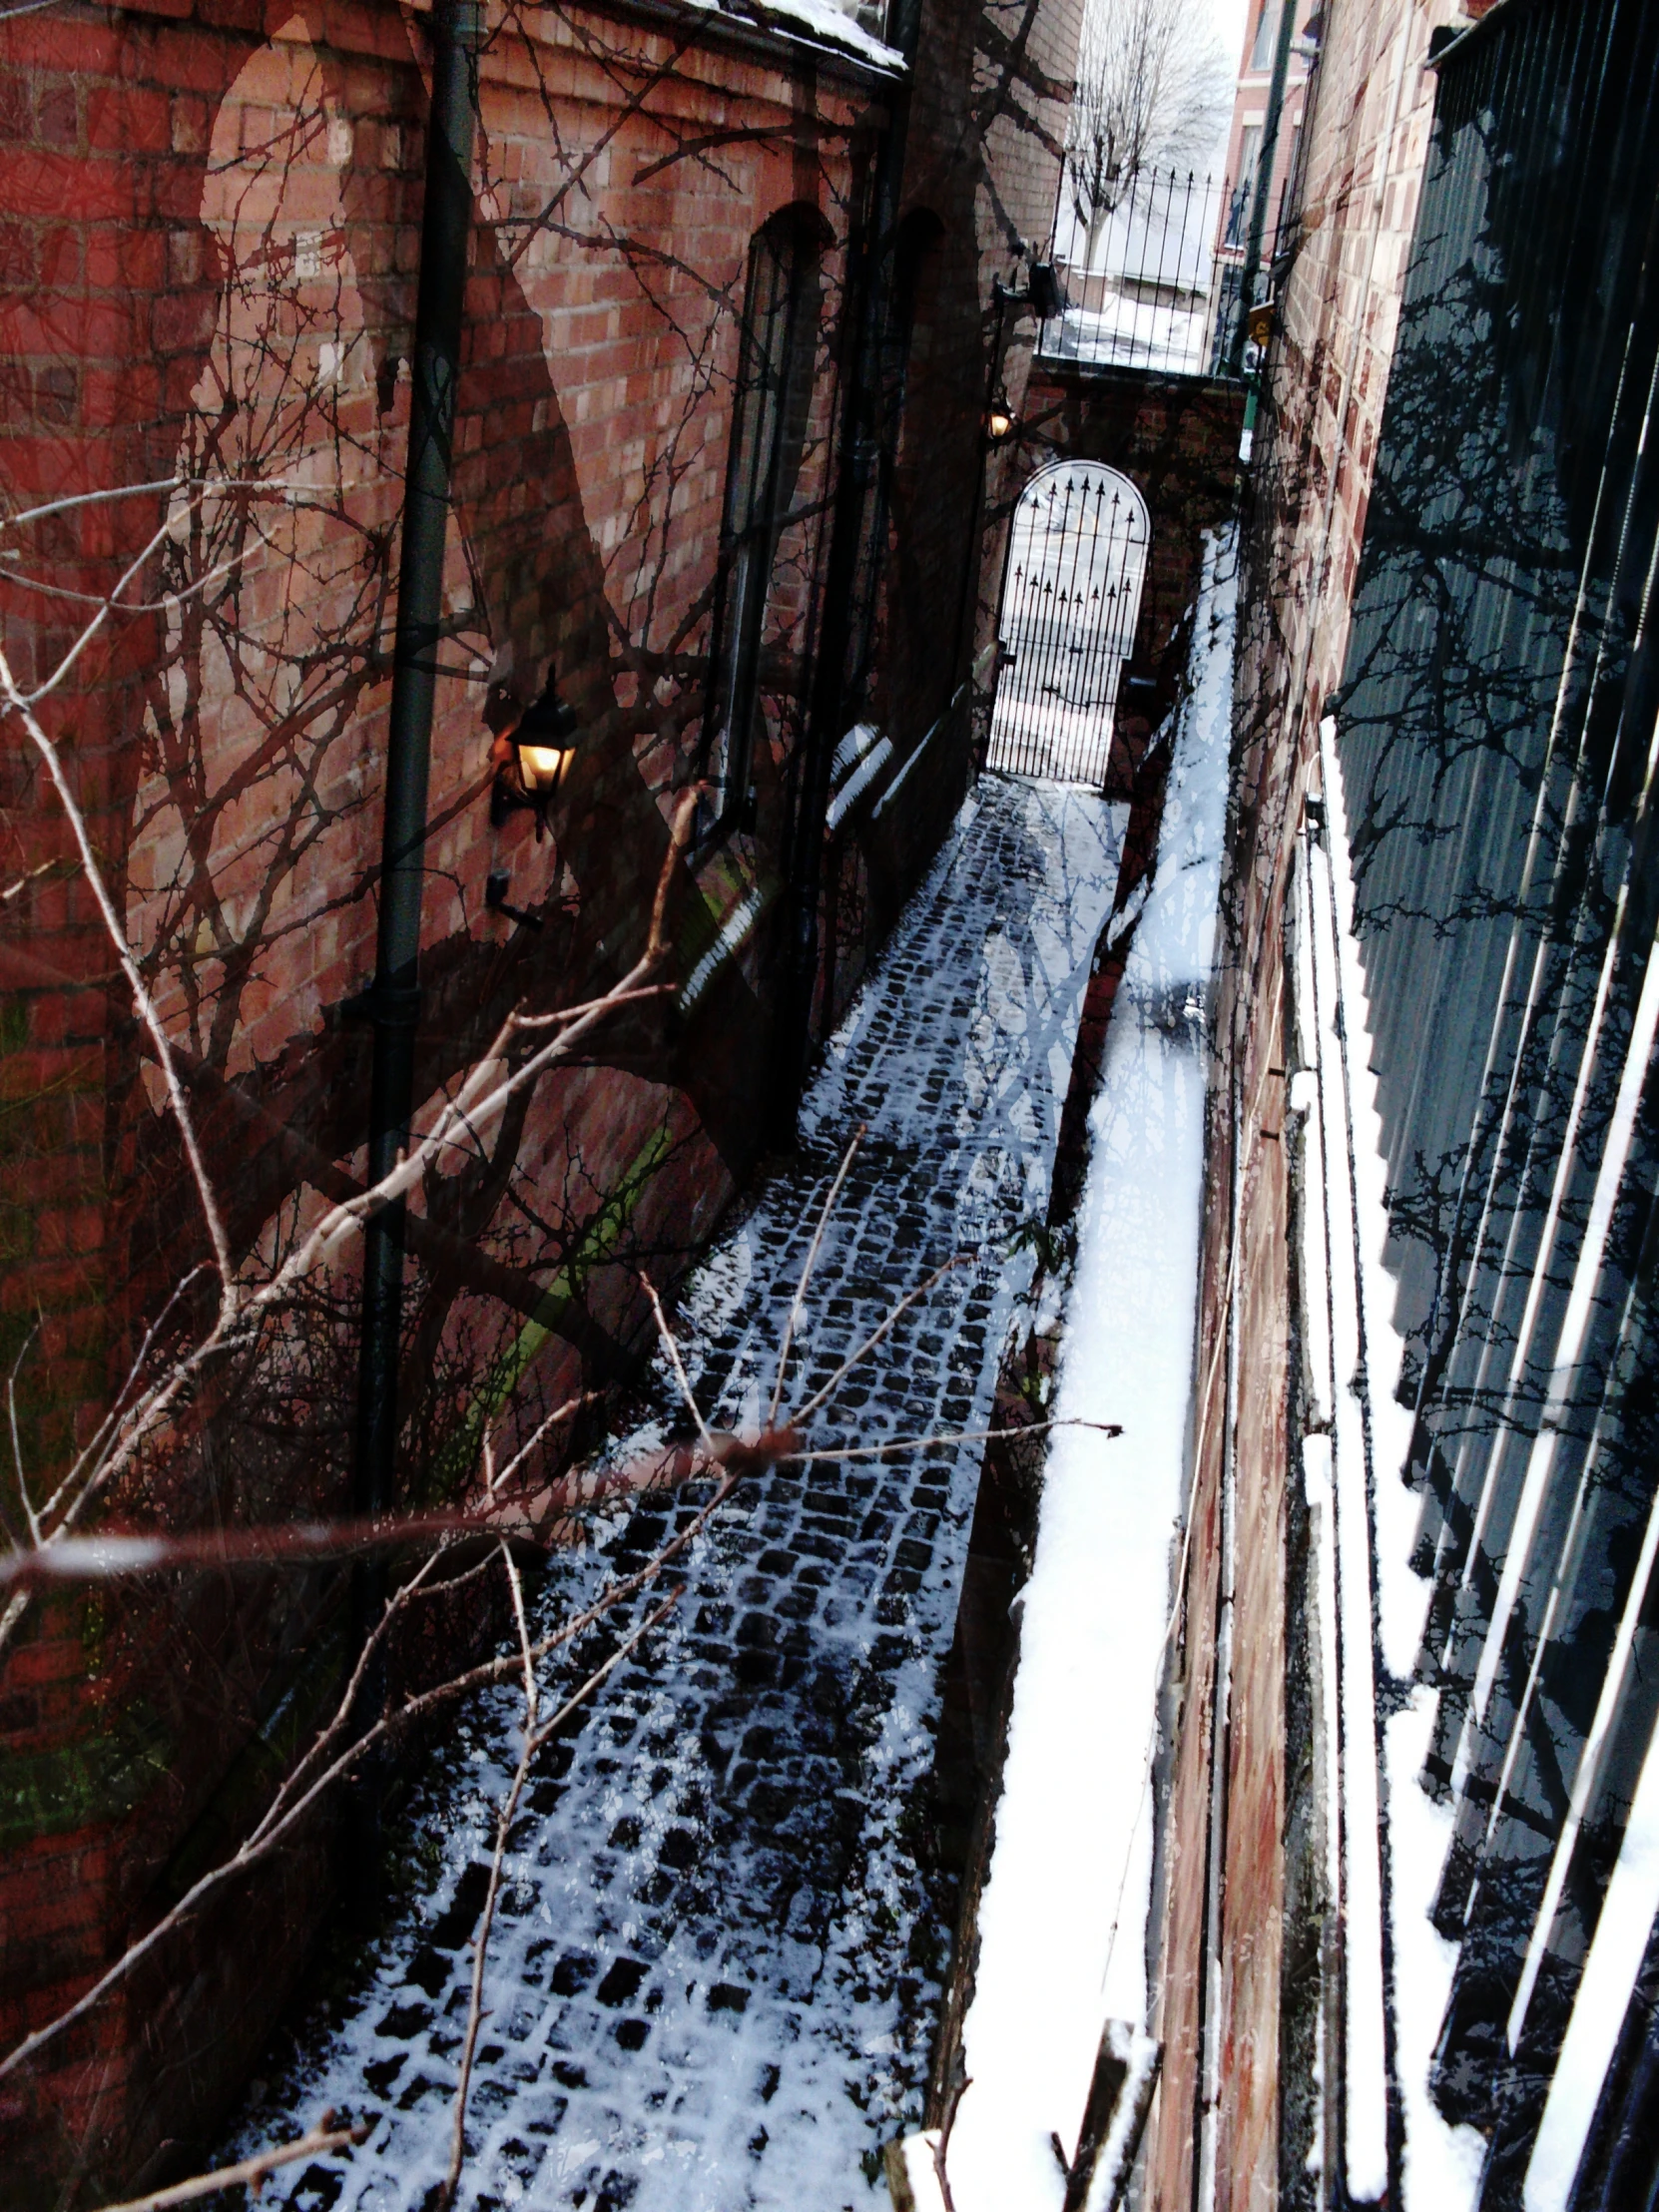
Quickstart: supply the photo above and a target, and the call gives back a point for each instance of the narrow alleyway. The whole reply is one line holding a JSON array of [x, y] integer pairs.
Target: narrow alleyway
[[715, 1978]]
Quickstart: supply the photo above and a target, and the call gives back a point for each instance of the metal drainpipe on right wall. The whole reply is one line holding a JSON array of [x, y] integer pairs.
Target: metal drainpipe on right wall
[[1359, 2056], [1314, 1328], [1221, 1720], [1265, 161]]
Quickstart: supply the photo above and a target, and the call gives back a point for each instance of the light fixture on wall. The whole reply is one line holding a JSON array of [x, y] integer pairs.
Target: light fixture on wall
[[532, 747], [1043, 293], [1044, 290], [1043, 296]]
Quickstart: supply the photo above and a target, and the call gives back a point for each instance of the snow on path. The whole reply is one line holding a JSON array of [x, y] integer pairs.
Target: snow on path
[[714, 1978], [1062, 1923]]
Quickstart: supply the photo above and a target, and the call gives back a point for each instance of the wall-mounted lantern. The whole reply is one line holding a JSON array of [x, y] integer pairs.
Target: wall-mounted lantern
[[532, 748], [1045, 291], [1044, 296]]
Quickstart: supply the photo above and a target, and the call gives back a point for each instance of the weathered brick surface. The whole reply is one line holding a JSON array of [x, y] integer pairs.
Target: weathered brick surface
[[211, 230], [1370, 107], [715, 1978]]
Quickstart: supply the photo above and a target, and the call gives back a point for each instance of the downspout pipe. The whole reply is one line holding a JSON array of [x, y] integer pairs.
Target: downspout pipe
[[871, 275], [1212, 1991], [1264, 180], [392, 1002]]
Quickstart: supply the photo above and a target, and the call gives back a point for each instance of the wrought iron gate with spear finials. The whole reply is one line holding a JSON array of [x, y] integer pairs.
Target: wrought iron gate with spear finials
[[1071, 595]]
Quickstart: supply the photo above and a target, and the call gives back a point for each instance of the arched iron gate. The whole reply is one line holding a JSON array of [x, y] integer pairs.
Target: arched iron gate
[[1071, 597]]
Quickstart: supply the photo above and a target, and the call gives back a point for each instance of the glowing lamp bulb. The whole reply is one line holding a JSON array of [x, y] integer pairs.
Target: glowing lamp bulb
[[540, 764]]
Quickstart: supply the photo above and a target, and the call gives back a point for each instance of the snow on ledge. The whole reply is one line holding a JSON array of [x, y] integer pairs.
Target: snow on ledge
[[1062, 1921], [825, 22], [836, 25]]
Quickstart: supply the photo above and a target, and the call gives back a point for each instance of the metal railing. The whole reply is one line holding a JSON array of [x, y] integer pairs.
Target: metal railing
[[1077, 555], [1156, 282]]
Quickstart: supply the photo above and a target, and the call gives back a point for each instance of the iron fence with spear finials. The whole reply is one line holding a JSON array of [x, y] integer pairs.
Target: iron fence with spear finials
[[1077, 552], [1155, 281]]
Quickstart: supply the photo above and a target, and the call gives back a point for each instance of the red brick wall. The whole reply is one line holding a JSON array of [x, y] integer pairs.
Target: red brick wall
[[1370, 108], [207, 269]]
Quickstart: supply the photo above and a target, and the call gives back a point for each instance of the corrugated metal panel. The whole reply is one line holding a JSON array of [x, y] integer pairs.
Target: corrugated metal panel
[[1498, 740]]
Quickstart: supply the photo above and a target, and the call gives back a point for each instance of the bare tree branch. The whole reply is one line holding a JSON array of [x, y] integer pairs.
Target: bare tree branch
[[249, 2172], [1153, 89]]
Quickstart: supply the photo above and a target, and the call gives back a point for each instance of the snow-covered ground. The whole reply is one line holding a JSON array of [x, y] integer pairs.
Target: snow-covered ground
[[715, 1981], [1062, 1921], [1134, 334]]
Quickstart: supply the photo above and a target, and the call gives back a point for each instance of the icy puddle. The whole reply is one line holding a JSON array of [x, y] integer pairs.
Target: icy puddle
[[714, 1973]]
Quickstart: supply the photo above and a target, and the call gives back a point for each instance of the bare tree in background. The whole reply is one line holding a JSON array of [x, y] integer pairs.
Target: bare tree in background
[[1153, 88]]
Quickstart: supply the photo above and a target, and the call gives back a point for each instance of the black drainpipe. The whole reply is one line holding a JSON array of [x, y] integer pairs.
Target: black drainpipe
[[973, 559], [870, 273], [392, 1003]]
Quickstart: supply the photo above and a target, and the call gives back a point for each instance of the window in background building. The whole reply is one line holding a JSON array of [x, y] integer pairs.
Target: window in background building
[[1266, 30], [1288, 191], [1238, 206]]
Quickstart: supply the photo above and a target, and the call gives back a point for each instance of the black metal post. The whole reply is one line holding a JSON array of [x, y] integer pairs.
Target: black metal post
[[973, 558], [1264, 180], [394, 1001]]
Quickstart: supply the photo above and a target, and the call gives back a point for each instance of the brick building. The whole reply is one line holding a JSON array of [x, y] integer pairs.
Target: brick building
[[1402, 1949], [728, 342], [1247, 132], [716, 456]]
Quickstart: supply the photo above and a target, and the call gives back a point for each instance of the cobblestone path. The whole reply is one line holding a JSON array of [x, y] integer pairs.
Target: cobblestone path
[[713, 1981]]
